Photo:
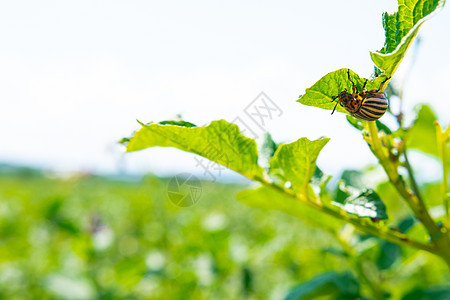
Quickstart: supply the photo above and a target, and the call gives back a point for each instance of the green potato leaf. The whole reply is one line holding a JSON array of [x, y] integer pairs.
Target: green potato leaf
[[319, 182], [297, 161], [296, 164], [400, 30], [324, 91], [423, 136], [365, 204], [220, 142], [266, 150]]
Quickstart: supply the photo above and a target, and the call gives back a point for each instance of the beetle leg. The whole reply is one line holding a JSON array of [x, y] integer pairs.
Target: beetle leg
[[384, 81], [353, 84], [335, 107], [364, 86]]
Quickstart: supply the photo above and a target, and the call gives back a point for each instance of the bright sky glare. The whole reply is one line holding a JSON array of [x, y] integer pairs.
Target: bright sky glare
[[75, 76]]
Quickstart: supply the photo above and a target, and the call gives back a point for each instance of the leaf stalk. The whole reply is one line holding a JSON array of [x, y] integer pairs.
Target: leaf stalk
[[439, 239], [383, 233]]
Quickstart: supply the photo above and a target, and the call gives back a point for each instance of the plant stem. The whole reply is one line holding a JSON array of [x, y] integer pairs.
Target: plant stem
[[411, 199], [440, 240], [383, 233], [412, 178]]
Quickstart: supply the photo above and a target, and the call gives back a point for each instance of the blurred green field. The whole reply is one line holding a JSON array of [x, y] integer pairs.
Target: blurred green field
[[87, 237]]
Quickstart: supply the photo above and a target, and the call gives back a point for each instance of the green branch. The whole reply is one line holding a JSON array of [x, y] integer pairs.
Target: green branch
[[414, 185], [411, 199], [383, 233], [439, 239], [296, 161]]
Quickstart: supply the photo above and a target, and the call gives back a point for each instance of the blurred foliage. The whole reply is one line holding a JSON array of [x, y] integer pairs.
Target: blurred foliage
[[87, 237], [328, 284]]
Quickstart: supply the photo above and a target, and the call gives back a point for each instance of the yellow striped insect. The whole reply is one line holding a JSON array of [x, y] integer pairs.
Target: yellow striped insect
[[367, 105]]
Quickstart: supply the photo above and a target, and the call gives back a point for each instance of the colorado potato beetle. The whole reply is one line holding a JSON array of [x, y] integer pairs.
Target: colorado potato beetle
[[367, 105]]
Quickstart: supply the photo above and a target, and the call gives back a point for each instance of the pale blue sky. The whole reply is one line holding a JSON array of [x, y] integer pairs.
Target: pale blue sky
[[74, 76]]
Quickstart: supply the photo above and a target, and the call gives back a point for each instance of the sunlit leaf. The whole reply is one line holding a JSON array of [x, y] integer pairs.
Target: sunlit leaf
[[220, 142], [322, 93], [297, 160], [178, 123], [266, 150], [342, 193], [422, 135], [398, 210], [353, 178], [400, 29], [319, 181], [366, 204], [432, 194]]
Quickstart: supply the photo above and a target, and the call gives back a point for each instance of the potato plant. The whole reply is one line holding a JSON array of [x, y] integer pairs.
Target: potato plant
[[395, 215]]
